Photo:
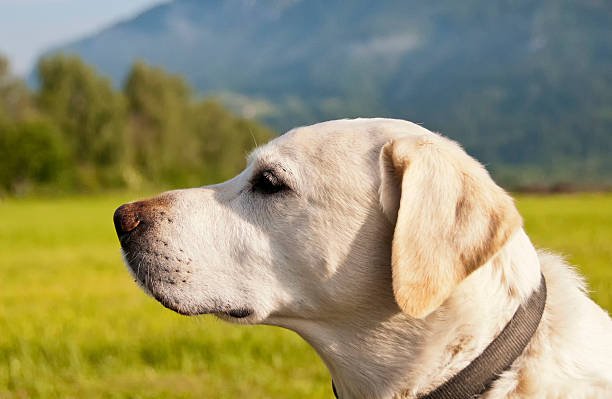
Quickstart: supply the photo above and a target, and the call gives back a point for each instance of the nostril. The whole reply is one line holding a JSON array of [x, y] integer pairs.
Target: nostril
[[126, 219]]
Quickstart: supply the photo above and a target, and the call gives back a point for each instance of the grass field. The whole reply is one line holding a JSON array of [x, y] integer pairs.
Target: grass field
[[73, 324]]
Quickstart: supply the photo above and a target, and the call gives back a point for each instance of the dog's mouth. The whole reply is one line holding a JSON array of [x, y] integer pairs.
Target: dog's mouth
[[222, 312], [239, 313], [226, 312], [167, 290]]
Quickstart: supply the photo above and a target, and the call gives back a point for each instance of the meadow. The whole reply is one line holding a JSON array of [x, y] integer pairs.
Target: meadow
[[73, 324]]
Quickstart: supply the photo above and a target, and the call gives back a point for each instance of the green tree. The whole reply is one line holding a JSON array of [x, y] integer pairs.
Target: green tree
[[180, 140], [90, 114], [31, 149], [78, 133], [158, 105], [224, 139], [15, 98], [32, 153]]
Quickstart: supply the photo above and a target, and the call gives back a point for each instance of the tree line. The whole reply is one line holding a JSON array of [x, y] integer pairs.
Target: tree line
[[76, 132]]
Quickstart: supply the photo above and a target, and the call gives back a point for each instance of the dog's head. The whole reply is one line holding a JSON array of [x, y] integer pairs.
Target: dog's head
[[325, 220]]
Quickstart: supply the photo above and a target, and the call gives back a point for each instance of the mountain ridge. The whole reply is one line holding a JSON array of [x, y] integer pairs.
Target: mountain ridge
[[526, 87]]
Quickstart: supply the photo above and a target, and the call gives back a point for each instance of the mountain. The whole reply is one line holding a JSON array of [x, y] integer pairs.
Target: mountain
[[525, 86]]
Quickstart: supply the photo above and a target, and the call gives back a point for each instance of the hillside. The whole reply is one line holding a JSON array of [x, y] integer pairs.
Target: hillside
[[525, 86]]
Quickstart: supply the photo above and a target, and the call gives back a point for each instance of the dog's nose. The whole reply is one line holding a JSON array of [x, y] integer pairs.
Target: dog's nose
[[126, 219]]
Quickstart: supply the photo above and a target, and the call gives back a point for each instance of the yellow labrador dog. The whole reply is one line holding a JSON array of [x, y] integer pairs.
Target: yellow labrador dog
[[388, 249]]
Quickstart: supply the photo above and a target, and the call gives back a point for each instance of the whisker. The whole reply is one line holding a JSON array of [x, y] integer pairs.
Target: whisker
[[253, 136], [148, 282]]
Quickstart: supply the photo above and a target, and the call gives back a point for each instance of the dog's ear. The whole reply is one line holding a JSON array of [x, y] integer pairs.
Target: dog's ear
[[450, 218]]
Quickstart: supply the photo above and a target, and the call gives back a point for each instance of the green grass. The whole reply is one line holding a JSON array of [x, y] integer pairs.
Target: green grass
[[74, 325], [580, 228]]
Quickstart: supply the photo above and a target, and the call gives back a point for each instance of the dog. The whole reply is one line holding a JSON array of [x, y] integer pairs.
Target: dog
[[390, 251]]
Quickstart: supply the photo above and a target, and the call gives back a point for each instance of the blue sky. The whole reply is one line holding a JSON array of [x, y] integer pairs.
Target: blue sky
[[28, 27]]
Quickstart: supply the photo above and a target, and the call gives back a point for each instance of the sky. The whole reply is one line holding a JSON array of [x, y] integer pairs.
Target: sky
[[29, 27]]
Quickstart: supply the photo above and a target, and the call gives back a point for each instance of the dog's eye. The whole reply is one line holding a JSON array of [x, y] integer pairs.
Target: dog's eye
[[267, 183]]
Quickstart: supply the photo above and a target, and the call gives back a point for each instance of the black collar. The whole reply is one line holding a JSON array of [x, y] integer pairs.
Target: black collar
[[478, 376]]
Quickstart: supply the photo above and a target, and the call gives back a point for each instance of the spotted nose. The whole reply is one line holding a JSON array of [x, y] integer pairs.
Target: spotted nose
[[127, 218]]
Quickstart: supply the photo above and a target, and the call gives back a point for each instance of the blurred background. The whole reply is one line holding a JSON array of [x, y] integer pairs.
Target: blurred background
[[103, 102]]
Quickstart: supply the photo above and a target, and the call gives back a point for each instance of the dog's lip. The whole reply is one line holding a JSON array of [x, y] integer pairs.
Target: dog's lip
[[239, 313], [235, 313]]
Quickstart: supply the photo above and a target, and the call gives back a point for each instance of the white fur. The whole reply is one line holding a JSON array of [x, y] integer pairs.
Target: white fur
[[317, 260]]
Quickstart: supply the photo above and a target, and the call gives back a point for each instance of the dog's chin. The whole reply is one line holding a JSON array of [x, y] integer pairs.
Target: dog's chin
[[173, 298], [232, 314]]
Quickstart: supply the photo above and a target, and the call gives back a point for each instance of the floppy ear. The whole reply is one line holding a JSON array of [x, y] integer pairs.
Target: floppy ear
[[450, 218]]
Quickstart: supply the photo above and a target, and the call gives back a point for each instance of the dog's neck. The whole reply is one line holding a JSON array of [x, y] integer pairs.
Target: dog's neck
[[382, 353]]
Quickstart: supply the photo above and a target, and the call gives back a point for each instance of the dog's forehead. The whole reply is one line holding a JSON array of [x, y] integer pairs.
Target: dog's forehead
[[334, 141]]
